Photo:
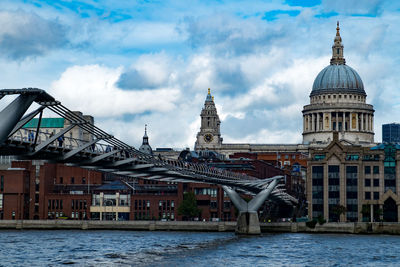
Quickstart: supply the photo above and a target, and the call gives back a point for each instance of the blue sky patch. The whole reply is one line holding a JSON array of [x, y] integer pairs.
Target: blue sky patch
[[303, 3], [274, 14]]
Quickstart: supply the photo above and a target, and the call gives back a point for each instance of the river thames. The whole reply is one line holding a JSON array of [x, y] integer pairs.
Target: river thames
[[134, 248]]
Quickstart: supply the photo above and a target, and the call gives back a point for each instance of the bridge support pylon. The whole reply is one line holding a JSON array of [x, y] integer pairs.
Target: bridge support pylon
[[247, 222], [11, 114]]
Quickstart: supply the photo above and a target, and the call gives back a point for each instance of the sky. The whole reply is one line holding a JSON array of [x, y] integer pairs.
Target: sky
[[131, 63]]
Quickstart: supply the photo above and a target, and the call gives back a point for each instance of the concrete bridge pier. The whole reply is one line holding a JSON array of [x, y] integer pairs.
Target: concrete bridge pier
[[247, 222]]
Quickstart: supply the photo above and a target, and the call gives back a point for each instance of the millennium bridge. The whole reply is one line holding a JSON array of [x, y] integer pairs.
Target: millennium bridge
[[105, 153]]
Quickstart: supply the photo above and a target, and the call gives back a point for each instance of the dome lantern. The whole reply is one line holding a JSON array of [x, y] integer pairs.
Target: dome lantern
[[337, 49], [338, 77]]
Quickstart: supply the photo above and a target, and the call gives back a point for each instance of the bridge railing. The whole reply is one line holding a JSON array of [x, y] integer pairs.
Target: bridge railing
[[28, 136]]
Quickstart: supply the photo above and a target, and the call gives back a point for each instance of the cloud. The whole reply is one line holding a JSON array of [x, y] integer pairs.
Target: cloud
[[365, 7], [148, 72], [228, 35], [92, 89], [24, 34]]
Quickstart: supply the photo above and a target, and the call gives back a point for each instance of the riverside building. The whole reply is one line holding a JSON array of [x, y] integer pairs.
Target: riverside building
[[365, 180], [391, 133]]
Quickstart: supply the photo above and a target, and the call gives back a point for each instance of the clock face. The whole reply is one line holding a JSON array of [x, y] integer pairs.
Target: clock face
[[208, 138]]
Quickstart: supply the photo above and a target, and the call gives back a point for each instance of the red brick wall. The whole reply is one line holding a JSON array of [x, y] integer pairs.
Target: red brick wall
[[15, 194]]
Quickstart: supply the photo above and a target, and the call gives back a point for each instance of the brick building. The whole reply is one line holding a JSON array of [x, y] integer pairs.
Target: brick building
[[39, 190]]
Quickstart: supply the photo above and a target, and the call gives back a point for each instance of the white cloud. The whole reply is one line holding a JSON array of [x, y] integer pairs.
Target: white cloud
[[266, 136], [25, 35], [92, 89]]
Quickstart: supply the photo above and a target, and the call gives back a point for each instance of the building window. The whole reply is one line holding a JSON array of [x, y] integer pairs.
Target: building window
[[376, 195], [1, 201], [72, 180], [352, 192], [376, 182], [317, 190], [319, 157], [61, 180], [367, 169], [367, 195], [352, 157], [376, 169], [83, 180], [2, 183], [367, 182]]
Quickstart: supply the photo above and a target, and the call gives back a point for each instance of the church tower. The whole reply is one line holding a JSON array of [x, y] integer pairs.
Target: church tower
[[209, 136]]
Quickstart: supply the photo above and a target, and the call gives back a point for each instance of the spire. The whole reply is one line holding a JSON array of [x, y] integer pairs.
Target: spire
[[337, 49], [337, 29], [209, 98], [145, 147], [145, 137]]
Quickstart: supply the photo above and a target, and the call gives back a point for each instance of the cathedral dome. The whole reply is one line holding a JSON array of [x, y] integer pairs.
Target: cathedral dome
[[338, 79]]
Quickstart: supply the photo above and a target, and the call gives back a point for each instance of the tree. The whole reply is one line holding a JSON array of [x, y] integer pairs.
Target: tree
[[339, 210], [366, 213], [188, 208]]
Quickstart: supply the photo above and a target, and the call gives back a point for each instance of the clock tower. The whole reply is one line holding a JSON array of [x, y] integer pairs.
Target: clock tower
[[209, 136]]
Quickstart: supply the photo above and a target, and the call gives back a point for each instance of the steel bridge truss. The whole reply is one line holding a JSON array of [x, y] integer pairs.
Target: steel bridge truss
[[103, 152]]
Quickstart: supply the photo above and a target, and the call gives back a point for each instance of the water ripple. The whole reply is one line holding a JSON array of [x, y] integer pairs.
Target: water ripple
[[125, 248]]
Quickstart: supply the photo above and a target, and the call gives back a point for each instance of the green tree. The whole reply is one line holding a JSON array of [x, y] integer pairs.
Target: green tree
[[339, 210], [366, 213], [188, 208]]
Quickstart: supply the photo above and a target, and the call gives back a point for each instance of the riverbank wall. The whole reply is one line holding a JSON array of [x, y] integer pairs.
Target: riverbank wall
[[283, 227], [120, 225]]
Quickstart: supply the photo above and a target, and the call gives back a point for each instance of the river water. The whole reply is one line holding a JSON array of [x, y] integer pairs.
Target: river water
[[134, 248]]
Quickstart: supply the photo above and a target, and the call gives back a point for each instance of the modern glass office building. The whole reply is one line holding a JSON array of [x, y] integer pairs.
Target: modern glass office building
[[391, 133]]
